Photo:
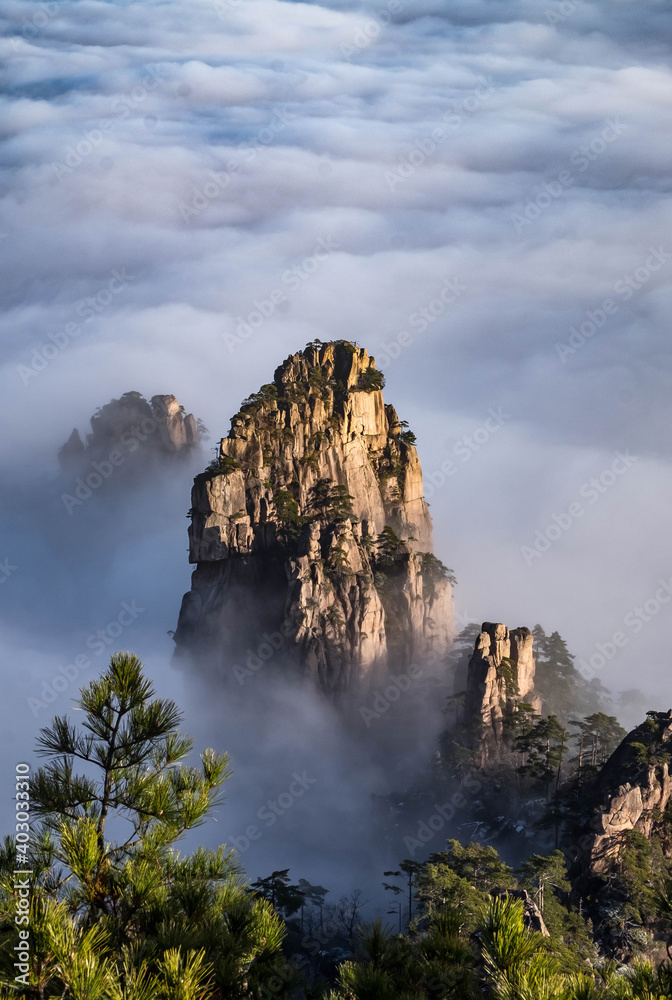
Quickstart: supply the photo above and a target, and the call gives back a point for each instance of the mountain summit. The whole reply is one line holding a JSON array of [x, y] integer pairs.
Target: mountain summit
[[310, 533]]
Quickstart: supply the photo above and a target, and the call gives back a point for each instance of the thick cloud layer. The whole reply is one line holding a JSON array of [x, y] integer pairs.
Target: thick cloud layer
[[478, 192]]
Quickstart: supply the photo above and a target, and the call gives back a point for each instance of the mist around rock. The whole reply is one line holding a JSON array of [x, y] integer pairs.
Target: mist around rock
[[369, 752], [370, 739], [111, 579], [367, 755]]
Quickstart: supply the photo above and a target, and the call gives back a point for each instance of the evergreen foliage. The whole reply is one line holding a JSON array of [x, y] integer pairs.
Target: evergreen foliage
[[597, 736], [565, 691], [330, 503], [543, 747], [288, 513], [433, 570], [116, 912], [222, 465], [371, 380]]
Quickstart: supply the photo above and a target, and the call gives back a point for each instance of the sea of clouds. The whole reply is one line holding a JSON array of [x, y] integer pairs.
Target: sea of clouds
[[477, 192]]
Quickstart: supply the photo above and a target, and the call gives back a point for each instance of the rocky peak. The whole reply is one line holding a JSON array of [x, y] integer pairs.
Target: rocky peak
[[177, 430], [631, 792], [312, 519], [131, 423], [324, 417], [501, 673]]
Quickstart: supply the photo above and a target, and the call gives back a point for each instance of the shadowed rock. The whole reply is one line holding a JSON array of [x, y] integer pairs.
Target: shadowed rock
[[131, 425]]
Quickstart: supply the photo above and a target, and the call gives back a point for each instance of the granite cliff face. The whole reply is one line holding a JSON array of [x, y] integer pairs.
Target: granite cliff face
[[501, 672], [631, 792], [310, 534], [133, 424]]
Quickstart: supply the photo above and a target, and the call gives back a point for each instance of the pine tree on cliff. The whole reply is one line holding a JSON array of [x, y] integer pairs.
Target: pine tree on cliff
[[597, 737], [555, 671], [564, 690], [543, 747]]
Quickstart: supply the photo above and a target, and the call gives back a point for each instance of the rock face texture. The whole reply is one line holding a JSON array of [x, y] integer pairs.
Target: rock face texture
[[310, 534], [131, 424], [631, 792], [500, 673], [176, 430]]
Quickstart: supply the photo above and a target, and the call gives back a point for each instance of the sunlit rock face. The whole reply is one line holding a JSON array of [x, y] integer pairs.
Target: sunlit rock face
[[311, 536], [631, 792], [500, 674]]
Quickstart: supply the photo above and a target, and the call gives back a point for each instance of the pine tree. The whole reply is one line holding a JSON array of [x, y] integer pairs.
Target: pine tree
[[597, 737], [564, 691], [539, 872], [543, 748], [330, 502], [131, 755], [460, 654], [116, 912], [280, 893], [556, 676], [516, 965], [408, 873]]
